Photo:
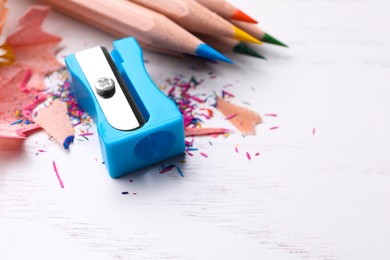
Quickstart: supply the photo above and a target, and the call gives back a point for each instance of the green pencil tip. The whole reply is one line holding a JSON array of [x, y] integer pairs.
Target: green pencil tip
[[245, 49], [269, 39]]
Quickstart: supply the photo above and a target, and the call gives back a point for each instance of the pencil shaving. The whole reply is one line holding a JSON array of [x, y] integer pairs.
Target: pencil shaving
[[245, 120], [55, 121]]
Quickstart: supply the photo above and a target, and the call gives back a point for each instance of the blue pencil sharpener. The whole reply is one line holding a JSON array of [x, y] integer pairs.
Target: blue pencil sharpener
[[137, 124]]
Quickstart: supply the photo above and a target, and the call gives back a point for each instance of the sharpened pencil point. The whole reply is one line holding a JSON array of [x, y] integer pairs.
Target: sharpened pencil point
[[207, 52], [269, 39], [244, 37], [242, 48], [241, 16]]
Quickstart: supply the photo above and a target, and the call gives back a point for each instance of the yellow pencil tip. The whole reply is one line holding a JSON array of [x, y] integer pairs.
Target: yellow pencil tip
[[243, 36]]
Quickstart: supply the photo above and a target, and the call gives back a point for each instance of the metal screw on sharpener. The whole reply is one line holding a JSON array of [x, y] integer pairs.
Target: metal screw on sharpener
[[105, 87]]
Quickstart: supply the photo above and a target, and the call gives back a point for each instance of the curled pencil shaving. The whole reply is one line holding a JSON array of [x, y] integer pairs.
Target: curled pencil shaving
[[55, 121], [34, 48], [245, 120], [29, 56]]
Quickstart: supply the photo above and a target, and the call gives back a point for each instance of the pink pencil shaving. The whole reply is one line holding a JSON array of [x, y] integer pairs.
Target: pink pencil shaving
[[231, 116], [225, 93], [85, 134], [271, 114], [58, 175]]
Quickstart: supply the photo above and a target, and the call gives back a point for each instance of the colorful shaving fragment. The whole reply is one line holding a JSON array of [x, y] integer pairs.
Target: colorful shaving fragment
[[245, 120], [225, 93], [231, 116], [274, 127], [179, 171], [18, 101], [209, 111], [197, 99], [188, 103], [187, 143], [85, 134], [55, 120], [28, 109], [16, 122], [166, 168], [58, 87], [58, 175], [271, 114], [314, 131], [204, 155], [21, 132], [248, 156], [205, 131], [192, 108]]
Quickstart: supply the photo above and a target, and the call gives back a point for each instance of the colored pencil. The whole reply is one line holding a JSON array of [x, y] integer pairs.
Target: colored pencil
[[160, 50], [226, 10], [223, 44], [123, 18], [196, 18], [256, 32]]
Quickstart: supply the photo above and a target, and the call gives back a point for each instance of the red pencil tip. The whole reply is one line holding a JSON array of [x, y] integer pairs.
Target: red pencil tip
[[240, 16]]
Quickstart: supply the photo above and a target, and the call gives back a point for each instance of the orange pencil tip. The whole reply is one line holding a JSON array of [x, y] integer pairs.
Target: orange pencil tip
[[241, 16]]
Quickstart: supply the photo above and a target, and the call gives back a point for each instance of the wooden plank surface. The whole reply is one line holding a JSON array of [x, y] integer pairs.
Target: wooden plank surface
[[322, 196]]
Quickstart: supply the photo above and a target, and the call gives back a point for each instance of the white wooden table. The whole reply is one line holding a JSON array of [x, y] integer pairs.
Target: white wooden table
[[322, 196]]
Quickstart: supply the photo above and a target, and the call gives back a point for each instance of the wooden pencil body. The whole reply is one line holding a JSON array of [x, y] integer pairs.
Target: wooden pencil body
[[154, 48], [123, 18], [191, 16], [251, 29], [221, 7], [222, 44]]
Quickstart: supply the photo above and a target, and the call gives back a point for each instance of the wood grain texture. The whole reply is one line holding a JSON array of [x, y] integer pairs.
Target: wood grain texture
[[322, 196], [192, 16], [124, 18]]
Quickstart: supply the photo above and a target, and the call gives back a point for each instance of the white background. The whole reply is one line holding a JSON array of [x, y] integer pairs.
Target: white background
[[322, 196]]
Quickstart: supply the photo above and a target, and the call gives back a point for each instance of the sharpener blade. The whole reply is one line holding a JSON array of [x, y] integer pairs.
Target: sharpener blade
[[108, 87]]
